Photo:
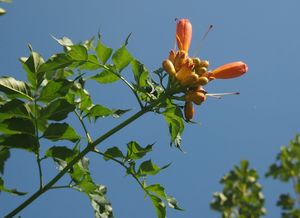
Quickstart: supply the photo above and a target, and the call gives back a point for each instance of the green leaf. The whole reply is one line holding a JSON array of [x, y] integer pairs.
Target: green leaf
[[99, 111], [4, 155], [60, 131], [119, 112], [91, 63], [57, 110], [17, 125], [113, 152], [135, 151], [174, 119], [11, 191], [14, 108], [159, 206], [60, 152], [20, 141], [106, 76], [54, 89], [78, 52], [172, 202], [148, 168], [103, 52], [158, 190], [140, 73], [64, 41], [15, 88], [31, 66], [2, 11], [58, 61], [121, 58]]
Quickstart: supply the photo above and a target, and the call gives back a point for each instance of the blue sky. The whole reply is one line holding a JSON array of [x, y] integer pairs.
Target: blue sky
[[253, 125]]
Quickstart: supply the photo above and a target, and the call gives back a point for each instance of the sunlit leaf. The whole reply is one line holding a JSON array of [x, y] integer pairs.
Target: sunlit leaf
[[159, 206], [140, 73], [174, 119], [61, 131], [100, 111], [148, 168], [58, 61], [64, 41], [172, 202], [106, 76], [31, 66], [57, 110], [158, 190], [2, 11], [91, 63], [78, 52], [54, 89], [103, 52], [135, 151], [15, 88], [121, 58]]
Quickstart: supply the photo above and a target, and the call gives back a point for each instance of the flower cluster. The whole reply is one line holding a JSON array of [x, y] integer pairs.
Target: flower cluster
[[191, 73]]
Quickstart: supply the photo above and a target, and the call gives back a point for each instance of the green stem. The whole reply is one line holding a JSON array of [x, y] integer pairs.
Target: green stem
[[89, 139], [88, 148], [38, 158]]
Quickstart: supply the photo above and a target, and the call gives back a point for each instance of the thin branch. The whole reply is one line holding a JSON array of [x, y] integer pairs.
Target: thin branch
[[84, 127]]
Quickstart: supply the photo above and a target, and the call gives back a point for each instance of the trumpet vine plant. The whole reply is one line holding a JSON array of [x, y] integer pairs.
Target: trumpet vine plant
[[37, 112]]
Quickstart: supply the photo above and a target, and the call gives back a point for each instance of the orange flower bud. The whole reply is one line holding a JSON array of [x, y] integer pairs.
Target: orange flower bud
[[202, 81], [196, 97], [183, 34], [169, 67], [204, 63], [189, 80], [200, 70], [230, 70], [189, 110]]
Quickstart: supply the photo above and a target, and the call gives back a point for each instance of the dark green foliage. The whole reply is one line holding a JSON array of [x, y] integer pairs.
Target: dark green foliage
[[241, 196], [287, 168]]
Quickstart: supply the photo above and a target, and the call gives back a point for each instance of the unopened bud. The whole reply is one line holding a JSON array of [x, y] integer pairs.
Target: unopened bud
[[200, 70], [204, 63], [189, 110], [189, 80], [195, 97], [169, 67], [202, 81]]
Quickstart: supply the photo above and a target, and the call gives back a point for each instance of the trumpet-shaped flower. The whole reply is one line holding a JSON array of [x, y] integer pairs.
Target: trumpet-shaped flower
[[183, 34], [230, 70]]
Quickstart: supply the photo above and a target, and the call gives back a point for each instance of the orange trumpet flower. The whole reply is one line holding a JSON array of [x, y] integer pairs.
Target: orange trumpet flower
[[183, 34], [230, 70]]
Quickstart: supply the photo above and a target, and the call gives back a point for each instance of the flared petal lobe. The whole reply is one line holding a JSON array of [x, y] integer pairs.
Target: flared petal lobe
[[183, 34], [230, 70]]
